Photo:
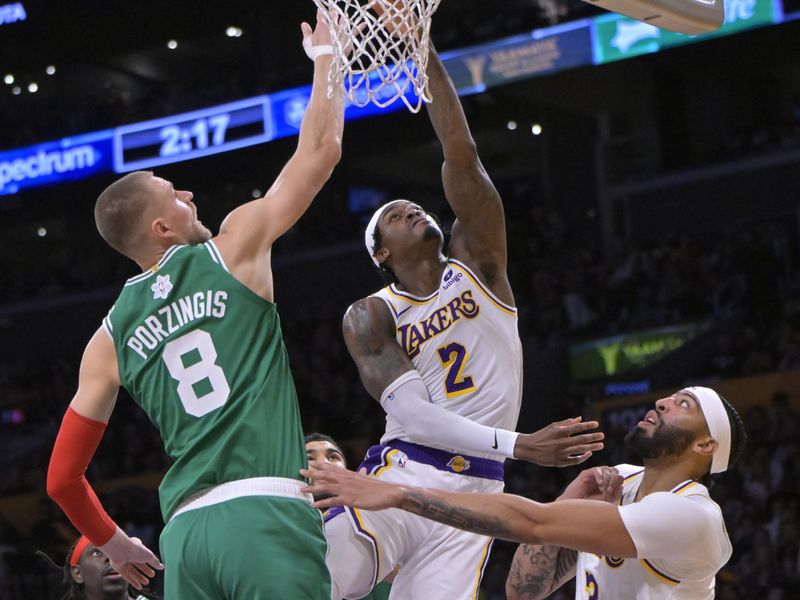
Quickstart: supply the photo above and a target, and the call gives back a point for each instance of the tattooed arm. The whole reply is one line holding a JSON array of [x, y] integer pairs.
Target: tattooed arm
[[390, 377], [585, 525], [538, 571]]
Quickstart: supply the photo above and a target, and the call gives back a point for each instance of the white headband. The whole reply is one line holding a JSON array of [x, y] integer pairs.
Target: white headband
[[372, 226], [719, 424]]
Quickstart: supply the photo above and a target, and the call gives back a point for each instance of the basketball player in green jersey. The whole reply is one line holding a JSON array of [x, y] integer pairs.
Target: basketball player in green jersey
[[196, 341]]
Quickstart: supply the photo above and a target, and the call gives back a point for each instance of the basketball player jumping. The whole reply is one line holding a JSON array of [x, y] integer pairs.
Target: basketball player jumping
[[662, 536], [196, 340], [439, 349]]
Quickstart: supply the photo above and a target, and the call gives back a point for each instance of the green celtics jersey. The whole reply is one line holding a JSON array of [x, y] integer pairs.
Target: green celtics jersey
[[203, 356]]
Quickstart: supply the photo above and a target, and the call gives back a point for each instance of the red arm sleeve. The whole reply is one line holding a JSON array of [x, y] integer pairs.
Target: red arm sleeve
[[75, 445]]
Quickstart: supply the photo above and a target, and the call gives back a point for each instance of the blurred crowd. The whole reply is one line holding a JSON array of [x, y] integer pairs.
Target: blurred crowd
[[566, 293]]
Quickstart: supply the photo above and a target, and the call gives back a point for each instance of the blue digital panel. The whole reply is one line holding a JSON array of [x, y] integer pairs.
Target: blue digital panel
[[190, 135], [69, 159], [256, 120]]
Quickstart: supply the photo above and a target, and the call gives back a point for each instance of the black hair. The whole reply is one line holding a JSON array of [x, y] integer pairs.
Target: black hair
[[738, 439], [75, 590], [321, 437], [738, 433], [387, 275]]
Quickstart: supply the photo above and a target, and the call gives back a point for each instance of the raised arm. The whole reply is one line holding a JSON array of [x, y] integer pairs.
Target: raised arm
[[584, 525], [248, 232], [478, 235], [81, 431], [390, 377]]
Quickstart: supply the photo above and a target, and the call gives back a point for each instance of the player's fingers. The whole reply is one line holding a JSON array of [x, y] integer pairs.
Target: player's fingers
[[575, 459], [576, 449], [145, 569], [578, 427], [362, 471], [132, 576], [585, 438], [156, 563], [597, 475], [306, 29]]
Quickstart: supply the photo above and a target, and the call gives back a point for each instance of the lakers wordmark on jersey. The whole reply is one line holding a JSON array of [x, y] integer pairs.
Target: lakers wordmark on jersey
[[464, 343]]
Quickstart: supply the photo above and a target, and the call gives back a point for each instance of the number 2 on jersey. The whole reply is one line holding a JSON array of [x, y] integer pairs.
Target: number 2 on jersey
[[202, 386], [454, 355], [592, 592]]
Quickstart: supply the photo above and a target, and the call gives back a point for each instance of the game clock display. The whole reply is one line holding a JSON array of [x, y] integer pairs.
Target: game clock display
[[190, 135]]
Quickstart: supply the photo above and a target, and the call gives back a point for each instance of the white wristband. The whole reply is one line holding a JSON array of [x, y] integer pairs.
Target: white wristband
[[506, 440], [313, 52]]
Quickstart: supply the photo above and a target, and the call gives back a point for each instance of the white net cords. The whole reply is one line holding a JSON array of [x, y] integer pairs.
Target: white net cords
[[380, 49]]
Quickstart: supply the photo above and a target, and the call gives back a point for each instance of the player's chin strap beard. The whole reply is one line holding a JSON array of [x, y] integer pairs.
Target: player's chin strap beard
[[719, 424]]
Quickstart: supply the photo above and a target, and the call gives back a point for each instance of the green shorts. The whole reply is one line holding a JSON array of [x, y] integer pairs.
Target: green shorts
[[249, 548]]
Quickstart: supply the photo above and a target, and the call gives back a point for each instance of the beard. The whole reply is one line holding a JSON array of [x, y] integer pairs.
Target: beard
[[200, 234], [665, 441]]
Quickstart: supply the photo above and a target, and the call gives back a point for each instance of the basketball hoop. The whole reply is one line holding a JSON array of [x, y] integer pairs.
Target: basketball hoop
[[380, 49]]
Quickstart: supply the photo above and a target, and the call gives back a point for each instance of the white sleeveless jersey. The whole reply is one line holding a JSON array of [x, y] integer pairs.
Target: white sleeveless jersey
[[609, 578], [464, 343]]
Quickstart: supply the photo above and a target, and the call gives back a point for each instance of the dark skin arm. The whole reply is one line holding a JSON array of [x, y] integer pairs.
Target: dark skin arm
[[538, 571], [479, 232], [584, 525], [369, 334]]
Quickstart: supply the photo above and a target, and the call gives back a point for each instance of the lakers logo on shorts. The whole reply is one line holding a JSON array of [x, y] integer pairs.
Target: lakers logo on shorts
[[458, 464], [401, 459]]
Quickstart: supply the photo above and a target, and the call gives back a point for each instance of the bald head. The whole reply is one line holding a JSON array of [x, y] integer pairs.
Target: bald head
[[119, 210]]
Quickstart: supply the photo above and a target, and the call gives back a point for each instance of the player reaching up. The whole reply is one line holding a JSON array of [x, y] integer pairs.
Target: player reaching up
[[439, 349], [196, 340]]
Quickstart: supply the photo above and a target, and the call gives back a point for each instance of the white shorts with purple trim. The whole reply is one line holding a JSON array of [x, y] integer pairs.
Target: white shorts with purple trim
[[434, 560]]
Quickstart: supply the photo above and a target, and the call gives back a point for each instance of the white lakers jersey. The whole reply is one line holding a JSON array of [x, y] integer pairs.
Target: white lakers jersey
[[689, 576], [464, 343]]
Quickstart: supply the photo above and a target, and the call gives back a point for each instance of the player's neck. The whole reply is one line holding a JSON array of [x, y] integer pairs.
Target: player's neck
[[150, 257], [422, 277], [664, 475]]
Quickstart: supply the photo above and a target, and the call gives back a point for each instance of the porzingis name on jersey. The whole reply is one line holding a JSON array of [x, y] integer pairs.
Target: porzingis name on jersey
[[412, 336], [170, 318]]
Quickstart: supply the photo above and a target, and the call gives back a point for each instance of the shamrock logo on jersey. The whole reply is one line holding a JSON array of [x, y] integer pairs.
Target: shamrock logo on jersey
[[161, 287]]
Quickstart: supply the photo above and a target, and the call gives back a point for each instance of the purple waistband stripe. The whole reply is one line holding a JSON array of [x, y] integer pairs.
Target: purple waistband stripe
[[462, 464]]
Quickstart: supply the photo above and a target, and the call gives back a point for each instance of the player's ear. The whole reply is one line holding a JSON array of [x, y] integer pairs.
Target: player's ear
[[705, 446], [160, 228], [75, 571], [382, 254]]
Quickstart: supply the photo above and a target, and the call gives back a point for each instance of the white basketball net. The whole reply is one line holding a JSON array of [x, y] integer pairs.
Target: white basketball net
[[380, 49]]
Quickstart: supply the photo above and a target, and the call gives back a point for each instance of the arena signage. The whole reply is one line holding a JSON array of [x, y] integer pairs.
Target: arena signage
[[12, 13], [257, 120], [51, 162], [617, 37], [611, 356]]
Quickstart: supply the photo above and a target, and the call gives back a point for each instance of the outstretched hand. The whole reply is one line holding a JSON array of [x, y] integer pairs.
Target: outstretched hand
[[320, 35], [560, 444], [345, 488], [597, 483], [131, 559]]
